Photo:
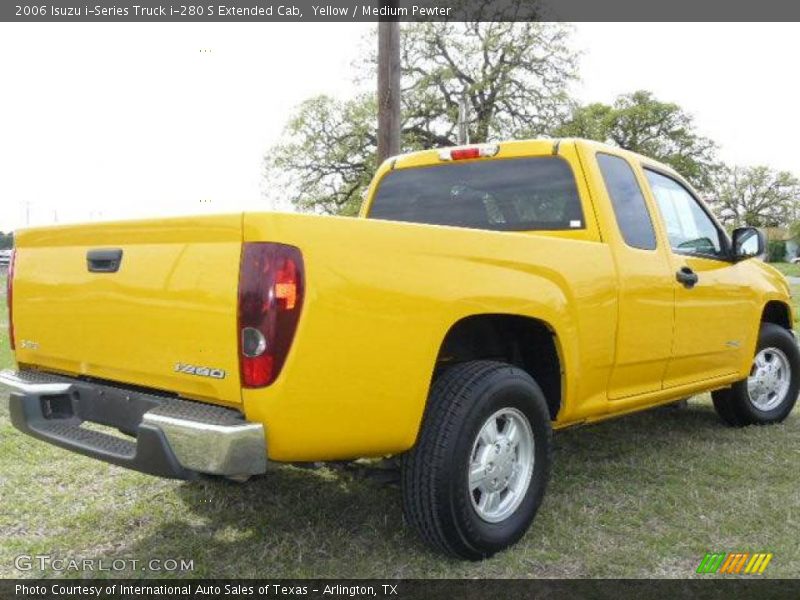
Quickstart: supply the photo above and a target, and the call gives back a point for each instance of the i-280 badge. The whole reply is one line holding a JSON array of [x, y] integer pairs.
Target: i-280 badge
[[200, 371]]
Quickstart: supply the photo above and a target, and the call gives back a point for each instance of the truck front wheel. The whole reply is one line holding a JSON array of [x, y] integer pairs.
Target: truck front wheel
[[477, 475], [770, 391]]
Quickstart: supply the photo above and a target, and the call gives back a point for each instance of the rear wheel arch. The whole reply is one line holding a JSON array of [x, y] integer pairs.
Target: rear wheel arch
[[525, 342]]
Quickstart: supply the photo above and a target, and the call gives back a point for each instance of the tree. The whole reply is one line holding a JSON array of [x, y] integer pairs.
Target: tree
[[515, 78], [327, 156], [756, 196], [643, 124]]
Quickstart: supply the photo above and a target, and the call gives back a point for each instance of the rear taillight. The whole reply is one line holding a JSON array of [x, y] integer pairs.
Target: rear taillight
[[270, 299], [9, 294]]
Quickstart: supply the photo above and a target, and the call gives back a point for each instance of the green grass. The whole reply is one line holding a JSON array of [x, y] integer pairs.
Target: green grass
[[787, 268], [643, 496], [796, 303]]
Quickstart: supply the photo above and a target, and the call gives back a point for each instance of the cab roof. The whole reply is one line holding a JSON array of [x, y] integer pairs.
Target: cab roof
[[517, 148]]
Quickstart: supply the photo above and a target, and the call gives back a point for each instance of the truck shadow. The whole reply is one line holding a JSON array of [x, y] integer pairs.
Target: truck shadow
[[338, 523]]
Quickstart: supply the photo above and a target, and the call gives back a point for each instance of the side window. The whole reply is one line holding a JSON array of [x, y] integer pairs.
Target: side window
[[689, 228], [629, 205]]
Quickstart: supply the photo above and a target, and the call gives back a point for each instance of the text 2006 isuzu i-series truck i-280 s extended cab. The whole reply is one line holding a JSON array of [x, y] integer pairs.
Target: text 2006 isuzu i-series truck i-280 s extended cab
[[485, 296]]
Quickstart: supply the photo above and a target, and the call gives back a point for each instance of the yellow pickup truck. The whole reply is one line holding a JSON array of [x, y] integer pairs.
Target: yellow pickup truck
[[486, 296]]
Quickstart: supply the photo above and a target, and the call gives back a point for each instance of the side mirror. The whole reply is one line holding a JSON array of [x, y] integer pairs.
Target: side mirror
[[748, 242]]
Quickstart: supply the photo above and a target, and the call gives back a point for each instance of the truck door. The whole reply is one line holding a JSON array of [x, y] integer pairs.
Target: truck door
[[646, 292], [714, 306]]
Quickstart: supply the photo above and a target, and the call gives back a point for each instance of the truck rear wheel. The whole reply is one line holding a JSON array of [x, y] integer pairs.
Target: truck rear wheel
[[770, 391], [477, 475]]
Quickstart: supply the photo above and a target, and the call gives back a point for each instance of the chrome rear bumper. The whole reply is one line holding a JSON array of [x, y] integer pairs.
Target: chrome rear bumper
[[167, 436]]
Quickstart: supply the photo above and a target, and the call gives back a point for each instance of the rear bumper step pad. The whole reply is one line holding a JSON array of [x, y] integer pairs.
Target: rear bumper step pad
[[169, 437]]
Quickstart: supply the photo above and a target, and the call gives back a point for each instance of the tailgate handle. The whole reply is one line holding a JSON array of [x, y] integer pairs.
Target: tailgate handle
[[104, 260]]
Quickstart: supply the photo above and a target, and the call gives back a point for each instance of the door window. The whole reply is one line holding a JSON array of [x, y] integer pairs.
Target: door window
[[689, 227]]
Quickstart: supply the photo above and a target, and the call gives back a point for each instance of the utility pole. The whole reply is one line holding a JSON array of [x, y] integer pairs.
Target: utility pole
[[388, 86], [463, 119]]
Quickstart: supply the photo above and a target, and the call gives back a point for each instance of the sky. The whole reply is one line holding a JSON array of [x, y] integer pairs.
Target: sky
[[135, 120]]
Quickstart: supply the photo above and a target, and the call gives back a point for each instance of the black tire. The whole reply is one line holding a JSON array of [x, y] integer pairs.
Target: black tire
[[734, 405], [437, 500]]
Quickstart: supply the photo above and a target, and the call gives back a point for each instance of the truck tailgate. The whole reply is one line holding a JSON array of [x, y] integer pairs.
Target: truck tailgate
[[165, 319]]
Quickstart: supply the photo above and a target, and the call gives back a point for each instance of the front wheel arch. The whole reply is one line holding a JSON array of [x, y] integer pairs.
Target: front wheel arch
[[736, 406], [778, 313]]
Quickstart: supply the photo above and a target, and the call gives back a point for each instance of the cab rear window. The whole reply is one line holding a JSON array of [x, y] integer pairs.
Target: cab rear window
[[518, 194]]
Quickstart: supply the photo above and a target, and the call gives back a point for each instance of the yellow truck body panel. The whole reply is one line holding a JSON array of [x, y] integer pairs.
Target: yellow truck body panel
[[380, 299], [172, 301]]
